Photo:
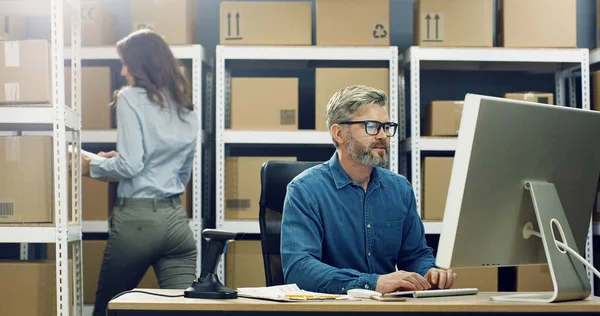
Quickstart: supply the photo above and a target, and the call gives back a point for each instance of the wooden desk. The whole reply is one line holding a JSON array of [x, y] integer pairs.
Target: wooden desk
[[144, 304]]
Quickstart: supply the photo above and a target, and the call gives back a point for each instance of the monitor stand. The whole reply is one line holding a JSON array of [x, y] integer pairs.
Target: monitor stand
[[568, 273]]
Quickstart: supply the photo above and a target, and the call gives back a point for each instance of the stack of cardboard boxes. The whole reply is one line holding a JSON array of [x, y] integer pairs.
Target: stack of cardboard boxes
[[27, 198], [272, 103], [470, 23], [438, 23], [29, 287], [26, 192], [290, 23]]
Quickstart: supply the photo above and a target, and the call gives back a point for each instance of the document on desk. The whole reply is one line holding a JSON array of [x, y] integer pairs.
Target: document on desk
[[285, 293]]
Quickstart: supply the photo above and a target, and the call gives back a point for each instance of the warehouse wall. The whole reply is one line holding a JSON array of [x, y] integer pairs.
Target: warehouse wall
[[401, 22], [436, 84]]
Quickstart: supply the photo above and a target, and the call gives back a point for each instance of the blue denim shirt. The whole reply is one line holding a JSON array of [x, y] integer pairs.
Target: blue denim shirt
[[156, 148], [336, 236]]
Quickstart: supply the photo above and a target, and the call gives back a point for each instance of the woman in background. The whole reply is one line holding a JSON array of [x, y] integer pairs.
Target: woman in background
[[156, 142]]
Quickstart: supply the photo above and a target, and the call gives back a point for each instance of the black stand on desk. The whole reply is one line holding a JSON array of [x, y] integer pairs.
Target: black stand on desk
[[208, 284]]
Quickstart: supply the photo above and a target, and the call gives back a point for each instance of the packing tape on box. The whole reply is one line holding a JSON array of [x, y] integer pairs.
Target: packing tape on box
[[11, 91], [11, 54], [11, 144]]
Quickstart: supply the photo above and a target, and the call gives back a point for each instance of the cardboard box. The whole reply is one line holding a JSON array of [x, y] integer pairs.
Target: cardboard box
[[539, 97], [252, 110], [595, 91], [338, 25], [454, 23], [597, 23], [29, 287], [443, 118], [265, 23], [175, 20], [12, 27], [96, 94], [244, 265], [98, 25], [25, 72], [94, 200], [534, 278], [485, 278], [242, 185], [328, 81], [26, 190], [537, 23], [436, 181], [93, 254]]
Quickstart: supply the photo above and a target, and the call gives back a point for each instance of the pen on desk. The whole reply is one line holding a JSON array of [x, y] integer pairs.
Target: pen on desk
[[310, 297]]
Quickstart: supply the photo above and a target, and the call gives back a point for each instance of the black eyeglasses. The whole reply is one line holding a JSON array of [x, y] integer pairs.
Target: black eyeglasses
[[373, 127]]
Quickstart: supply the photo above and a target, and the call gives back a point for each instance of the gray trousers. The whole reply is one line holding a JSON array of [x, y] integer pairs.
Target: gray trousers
[[144, 233]]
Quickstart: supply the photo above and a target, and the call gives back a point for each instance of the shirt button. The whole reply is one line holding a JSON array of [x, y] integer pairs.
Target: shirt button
[[343, 289], [366, 286], [368, 225], [369, 254]]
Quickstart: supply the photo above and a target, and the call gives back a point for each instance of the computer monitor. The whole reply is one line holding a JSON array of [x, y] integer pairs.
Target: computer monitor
[[520, 166]]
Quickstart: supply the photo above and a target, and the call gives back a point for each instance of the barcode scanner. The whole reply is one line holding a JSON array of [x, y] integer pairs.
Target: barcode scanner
[[208, 284]]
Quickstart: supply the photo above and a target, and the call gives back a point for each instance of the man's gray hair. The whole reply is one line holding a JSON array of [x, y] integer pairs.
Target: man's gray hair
[[350, 101]]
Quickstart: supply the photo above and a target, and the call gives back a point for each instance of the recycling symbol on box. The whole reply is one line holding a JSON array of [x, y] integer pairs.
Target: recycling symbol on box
[[380, 31]]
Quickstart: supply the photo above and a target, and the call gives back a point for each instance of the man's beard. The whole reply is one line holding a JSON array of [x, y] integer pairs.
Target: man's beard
[[364, 155]]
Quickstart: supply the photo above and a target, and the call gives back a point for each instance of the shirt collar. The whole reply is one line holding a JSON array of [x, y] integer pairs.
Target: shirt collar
[[341, 178]]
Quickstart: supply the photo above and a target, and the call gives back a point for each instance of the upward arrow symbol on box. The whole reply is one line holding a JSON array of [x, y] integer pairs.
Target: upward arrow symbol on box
[[428, 18], [228, 24], [437, 27]]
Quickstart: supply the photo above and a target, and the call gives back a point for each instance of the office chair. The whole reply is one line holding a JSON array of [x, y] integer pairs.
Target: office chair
[[275, 176]]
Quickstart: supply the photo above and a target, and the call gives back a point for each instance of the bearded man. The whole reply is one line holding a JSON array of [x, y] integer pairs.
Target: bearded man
[[350, 222]]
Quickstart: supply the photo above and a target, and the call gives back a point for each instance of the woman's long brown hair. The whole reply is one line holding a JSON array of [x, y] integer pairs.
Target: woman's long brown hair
[[151, 63]]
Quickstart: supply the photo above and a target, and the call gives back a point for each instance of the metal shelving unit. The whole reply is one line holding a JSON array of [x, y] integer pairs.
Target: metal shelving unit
[[284, 56], [57, 119], [200, 61], [561, 62]]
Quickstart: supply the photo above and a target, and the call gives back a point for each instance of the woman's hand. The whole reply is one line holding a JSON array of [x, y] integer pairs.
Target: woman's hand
[[109, 154], [85, 165]]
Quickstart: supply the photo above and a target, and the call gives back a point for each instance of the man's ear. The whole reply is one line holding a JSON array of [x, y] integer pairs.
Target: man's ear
[[337, 132]]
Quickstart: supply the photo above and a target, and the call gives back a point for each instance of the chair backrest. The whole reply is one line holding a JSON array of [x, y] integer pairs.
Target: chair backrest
[[275, 176]]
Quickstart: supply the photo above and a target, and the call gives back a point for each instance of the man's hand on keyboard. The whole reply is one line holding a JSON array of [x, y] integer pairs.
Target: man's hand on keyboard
[[440, 278], [401, 280]]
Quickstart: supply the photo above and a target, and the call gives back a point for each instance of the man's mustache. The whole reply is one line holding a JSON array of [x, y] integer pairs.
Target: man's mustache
[[379, 144]]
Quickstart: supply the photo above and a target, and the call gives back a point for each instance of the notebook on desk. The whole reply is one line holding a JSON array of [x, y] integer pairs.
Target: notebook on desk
[[435, 293], [285, 293]]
